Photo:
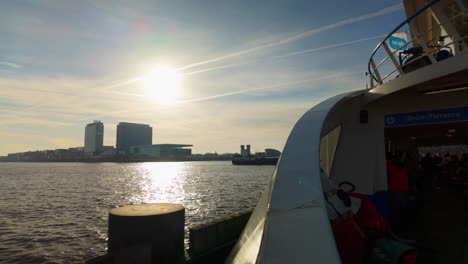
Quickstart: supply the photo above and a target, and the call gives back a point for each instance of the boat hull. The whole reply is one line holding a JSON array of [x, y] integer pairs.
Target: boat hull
[[264, 161]]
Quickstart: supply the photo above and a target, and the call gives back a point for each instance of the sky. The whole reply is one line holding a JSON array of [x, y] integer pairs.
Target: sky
[[249, 69]]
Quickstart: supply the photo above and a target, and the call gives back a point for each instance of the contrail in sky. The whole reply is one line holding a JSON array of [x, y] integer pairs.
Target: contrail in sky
[[132, 80], [122, 83], [283, 55], [284, 41], [301, 35], [266, 87], [219, 67], [10, 64], [327, 47]]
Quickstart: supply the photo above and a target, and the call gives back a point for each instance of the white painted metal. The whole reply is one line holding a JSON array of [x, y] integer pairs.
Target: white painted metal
[[291, 218], [425, 29], [427, 73], [376, 72]]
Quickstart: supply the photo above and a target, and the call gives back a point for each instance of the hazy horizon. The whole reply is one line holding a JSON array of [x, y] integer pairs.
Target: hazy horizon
[[247, 71]]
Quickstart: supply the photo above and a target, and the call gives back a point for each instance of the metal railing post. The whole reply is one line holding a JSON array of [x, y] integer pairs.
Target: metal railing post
[[375, 72], [390, 55], [439, 16], [406, 21], [462, 7], [422, 43]]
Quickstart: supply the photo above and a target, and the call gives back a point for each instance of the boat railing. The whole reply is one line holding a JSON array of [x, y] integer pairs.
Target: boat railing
[[419, 50]]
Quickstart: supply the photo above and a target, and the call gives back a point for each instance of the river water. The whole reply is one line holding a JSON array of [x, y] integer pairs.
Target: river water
[[57, 212]]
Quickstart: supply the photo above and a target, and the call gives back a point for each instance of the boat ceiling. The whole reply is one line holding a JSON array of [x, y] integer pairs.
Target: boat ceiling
[[430, 135], [454, 80]]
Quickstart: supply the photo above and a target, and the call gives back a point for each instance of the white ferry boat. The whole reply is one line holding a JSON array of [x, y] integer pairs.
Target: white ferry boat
[[418, 96]]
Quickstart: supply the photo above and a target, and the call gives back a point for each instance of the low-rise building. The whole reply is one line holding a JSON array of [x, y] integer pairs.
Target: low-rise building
[[162, 151]]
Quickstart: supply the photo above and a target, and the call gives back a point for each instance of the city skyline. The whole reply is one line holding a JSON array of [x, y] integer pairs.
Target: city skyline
[[93, 144], [246, 72]]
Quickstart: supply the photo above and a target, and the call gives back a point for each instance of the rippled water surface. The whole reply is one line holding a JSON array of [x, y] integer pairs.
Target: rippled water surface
[[57, 212]]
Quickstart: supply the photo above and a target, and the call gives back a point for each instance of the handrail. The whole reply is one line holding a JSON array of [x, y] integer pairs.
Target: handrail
[[429, 41], [406, 21]]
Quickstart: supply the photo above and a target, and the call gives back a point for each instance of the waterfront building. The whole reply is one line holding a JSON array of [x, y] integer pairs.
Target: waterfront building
[[72, 154], [272, 152], [132, 134], [94, 137], [162, 151], [108, 152]]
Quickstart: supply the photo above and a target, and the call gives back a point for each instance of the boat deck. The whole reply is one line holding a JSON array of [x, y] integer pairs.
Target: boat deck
[[443, 227]]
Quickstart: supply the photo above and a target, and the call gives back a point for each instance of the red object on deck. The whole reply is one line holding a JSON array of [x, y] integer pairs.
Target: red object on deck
[[350, 240], [398, 180], [368, 217], [390, 167], [411, 259]]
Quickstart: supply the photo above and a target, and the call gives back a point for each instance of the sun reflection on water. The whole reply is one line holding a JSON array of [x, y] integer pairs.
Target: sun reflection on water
[[161, 182]]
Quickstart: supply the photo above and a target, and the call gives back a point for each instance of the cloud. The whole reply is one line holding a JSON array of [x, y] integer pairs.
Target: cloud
[[10, 64], [293, 81], [219, 125], [58, 96], [33, 121], [269, 87]]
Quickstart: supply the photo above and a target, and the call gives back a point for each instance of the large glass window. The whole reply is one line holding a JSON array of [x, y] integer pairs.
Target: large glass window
[[328, 144]]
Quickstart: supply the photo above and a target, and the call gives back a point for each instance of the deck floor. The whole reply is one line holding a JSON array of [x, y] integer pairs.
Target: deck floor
[[443, 227]]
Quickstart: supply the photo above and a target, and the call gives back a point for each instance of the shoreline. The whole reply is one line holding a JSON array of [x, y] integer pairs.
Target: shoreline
[[106, 161]]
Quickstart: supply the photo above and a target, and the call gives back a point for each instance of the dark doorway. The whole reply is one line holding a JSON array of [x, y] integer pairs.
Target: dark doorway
[[437, 218]]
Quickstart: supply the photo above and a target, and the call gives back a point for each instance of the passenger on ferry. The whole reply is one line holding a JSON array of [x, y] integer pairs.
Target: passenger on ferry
[[427, 163], [438, 165], [463, 172], [398, 194], [389, 160], [427, 175]]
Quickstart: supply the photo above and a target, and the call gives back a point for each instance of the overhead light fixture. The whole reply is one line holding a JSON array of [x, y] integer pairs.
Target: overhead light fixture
[[448, 90]]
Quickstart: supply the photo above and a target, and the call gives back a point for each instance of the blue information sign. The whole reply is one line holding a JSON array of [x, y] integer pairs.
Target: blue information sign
[[428, 117], [397, 43]]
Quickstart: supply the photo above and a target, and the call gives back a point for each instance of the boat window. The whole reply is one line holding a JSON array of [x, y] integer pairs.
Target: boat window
[[328, 144]]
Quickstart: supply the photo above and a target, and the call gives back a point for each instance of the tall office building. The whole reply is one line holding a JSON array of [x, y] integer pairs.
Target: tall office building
[[131, 134], [94, 136]]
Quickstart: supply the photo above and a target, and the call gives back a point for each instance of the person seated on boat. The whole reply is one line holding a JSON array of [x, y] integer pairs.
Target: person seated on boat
[[398, 193]]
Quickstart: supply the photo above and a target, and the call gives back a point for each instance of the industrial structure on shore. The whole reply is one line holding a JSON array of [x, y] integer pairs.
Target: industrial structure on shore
[[269, 157]]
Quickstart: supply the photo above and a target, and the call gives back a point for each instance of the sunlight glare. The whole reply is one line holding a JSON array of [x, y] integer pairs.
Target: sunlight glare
[[162, 84], [162, 181]]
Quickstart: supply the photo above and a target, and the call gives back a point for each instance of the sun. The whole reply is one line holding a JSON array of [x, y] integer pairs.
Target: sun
[[162, 84]]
